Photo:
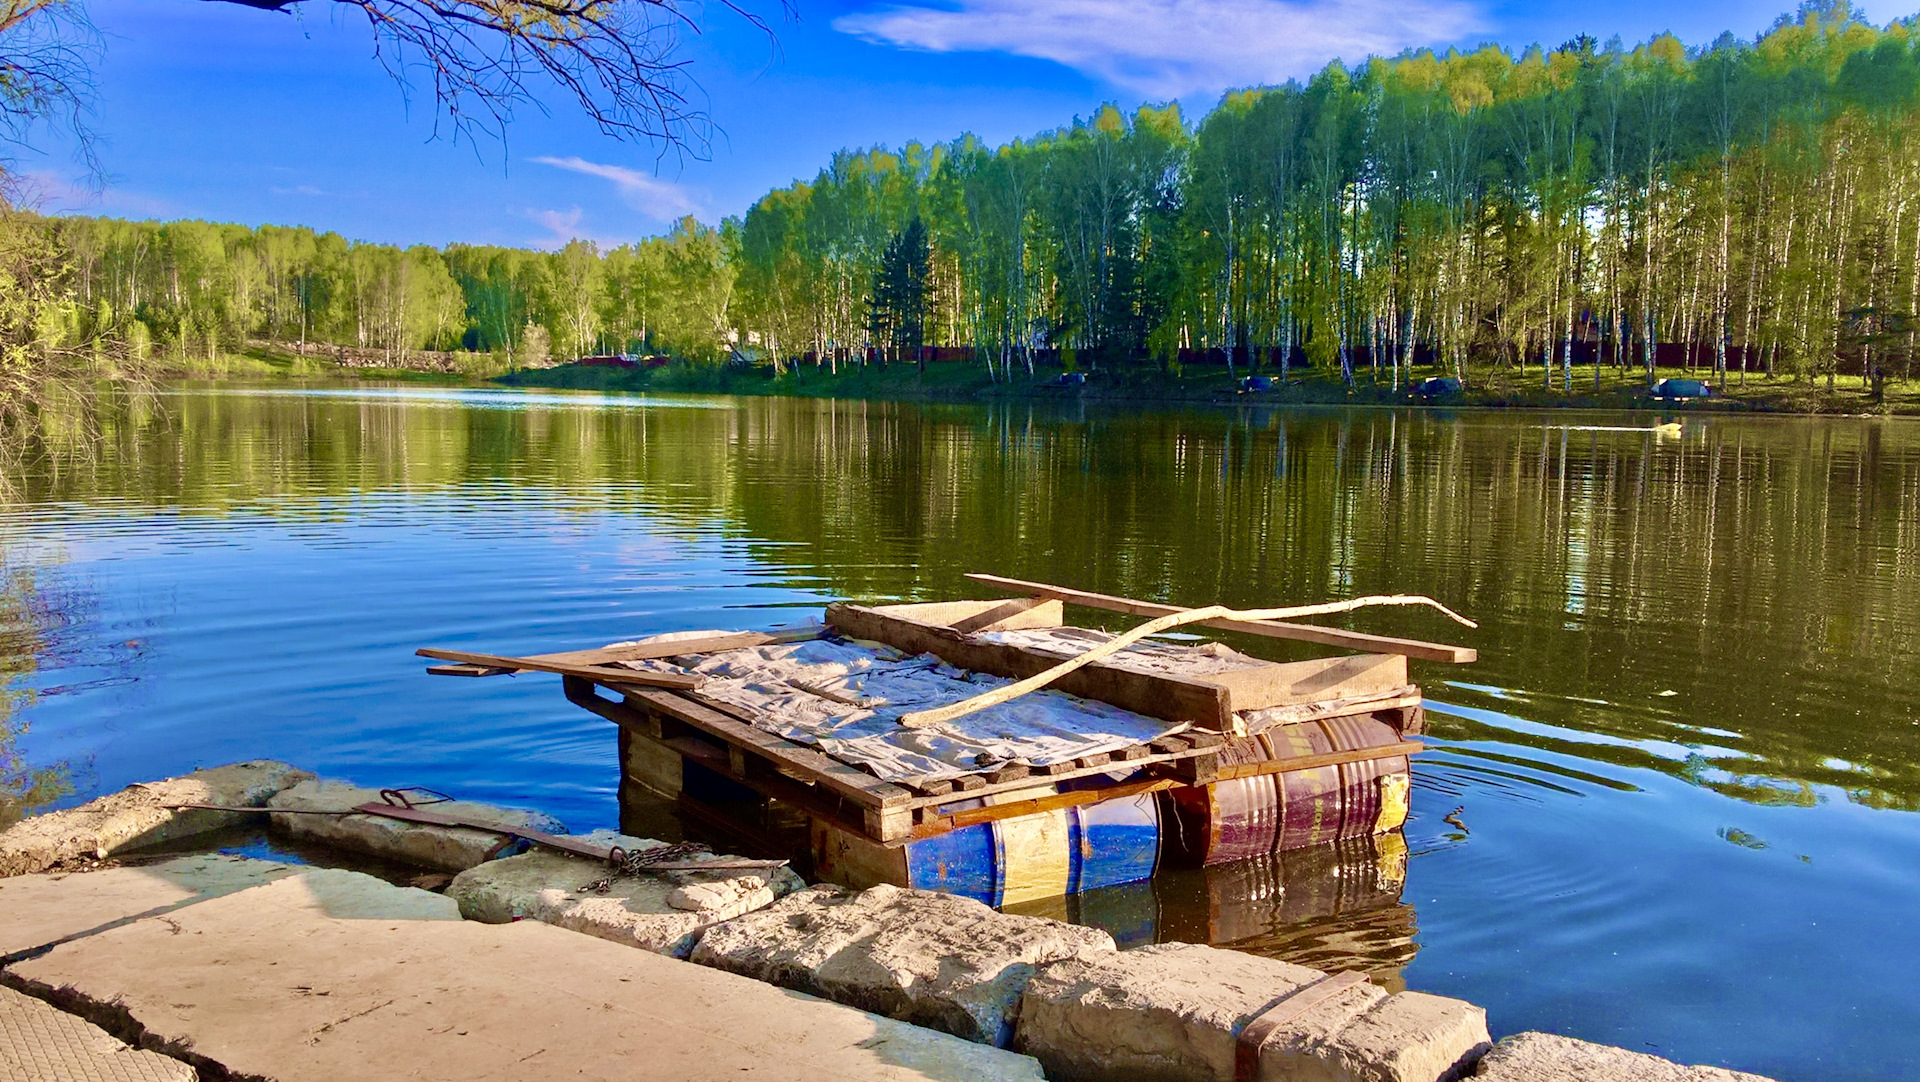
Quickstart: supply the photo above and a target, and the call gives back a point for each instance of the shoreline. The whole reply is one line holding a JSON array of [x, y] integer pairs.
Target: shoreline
[[1488, 389]]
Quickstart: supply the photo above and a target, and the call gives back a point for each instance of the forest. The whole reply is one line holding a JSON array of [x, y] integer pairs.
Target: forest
[[1754, 203]]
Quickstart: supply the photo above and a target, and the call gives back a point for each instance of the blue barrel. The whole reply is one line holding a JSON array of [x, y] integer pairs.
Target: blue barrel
[[1043, 855]]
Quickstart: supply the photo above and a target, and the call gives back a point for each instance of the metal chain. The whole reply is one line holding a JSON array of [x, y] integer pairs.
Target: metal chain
[[624, 864]]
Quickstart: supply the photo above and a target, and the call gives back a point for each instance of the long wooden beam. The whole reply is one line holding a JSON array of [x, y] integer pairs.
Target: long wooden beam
[[1325, 636], [592, 672], [605, 655]]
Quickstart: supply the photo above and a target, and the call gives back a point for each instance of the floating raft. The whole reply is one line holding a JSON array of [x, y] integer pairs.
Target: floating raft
[[1159, 754]]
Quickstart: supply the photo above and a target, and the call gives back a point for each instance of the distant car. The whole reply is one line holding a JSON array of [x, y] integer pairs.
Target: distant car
[[1682, 388], [1250, 384], [1070, 379], [1438, 385]]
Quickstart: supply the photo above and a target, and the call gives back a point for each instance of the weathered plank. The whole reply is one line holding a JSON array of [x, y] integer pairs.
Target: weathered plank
[[990, 615], [608, 655], [801, 761], [1398, 698], [1313, 762], [591, 672], [1349, 676], [941, 824], [1273, 629], [1174, 698], [468, 670]]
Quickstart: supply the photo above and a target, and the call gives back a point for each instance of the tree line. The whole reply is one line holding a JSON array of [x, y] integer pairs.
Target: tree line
[[1757, 201], [153, 291]]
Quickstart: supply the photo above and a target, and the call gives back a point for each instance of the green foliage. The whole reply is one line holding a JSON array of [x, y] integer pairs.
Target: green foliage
[[1464, 206], [1758, 201]]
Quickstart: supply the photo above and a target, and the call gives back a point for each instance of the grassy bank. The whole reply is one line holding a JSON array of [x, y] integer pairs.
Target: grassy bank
[[1487, 386], [269, 362]]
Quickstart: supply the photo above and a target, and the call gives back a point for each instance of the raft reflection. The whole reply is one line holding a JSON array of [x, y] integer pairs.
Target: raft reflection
[[1331, 907]]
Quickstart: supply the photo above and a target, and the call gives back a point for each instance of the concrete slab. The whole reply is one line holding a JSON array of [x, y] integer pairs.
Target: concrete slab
[[1547, 1057], [136, 816], [41, 909], [446, 849], [663, 912], [263, 982], [1175, 1011], [916, 955], [39, 1043]]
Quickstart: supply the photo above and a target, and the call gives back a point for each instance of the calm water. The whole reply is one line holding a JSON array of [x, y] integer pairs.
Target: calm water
[[1684, 769]]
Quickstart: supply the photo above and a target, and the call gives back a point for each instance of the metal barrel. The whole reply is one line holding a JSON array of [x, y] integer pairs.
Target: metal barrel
[[1272, 813], [1045, 855]]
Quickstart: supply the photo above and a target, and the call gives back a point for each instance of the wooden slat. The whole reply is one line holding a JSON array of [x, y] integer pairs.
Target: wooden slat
[[1396, 698], [804, 761], [591, 672], [705, 644], [1313, 762], [607, 655], [468, 670], [762, 775], [938, 825], [1300, 682], [1273, 629]]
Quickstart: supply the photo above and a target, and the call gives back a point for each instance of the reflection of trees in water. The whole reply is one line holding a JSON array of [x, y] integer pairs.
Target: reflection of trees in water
[[30, 619], [1763, 568]]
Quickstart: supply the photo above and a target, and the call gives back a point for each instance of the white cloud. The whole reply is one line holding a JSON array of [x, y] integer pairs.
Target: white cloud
[[50, 192], [1169, 48], [564, 225], [298, 189], [658, 199]]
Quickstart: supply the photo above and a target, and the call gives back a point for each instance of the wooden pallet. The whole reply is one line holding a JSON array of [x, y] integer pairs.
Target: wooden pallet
[[716, 737], [667, 713]]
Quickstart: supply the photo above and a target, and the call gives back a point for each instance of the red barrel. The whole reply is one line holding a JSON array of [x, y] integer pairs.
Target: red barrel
[[1272, 813]]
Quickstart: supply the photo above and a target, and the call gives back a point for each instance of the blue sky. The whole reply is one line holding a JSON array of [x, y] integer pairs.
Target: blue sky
[[212, 110]]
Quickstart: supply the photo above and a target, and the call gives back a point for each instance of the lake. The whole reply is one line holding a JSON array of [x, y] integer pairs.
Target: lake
[[1671, 808]]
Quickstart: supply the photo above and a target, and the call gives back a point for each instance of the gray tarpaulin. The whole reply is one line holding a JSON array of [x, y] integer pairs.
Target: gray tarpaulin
[[845, 698]]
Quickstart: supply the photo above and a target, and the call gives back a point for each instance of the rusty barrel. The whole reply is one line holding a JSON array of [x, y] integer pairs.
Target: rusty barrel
[[1272, 813]]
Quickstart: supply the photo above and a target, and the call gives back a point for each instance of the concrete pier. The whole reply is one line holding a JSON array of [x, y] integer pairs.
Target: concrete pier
[[323, 974]]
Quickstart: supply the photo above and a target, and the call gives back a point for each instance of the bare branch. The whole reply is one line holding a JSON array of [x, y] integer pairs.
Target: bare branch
[[47, 53], [618, 60]]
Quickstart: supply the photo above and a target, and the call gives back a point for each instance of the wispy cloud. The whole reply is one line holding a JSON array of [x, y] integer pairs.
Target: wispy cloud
[[565, 225], [658, 199], [298, 189], [1168, 48], [53, 193]]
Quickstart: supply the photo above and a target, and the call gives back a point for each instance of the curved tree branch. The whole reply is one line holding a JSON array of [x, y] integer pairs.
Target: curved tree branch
[[616, 58]]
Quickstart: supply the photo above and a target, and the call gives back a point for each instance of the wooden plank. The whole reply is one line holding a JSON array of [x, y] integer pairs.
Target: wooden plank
[[1313, 762], [1396, 699], [468, 670], [1027, 612], [1349, 676], [1273, 629], [993, 614], [707, 643], [606, 655], [591, 672], [937, 825], [803, 761], [1173, 698]]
